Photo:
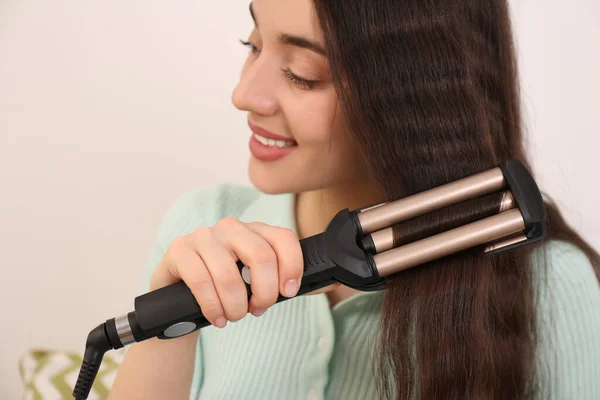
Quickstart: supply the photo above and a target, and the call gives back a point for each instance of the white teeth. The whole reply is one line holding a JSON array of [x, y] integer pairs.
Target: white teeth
[[270, 142]]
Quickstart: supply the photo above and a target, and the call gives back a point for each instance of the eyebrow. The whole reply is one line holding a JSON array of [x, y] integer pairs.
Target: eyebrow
[[292, 40]]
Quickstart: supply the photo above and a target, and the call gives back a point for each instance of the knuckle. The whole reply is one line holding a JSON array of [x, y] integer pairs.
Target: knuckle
[[263, 254], [289, 240], [199, 283], [231, 282], [177, 245], [257, 224], [227, 223], [201, 233], [287, 234], [211, 308]]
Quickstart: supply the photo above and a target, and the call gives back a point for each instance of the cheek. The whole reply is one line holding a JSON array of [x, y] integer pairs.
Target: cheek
[[324, 142], [317, 122]]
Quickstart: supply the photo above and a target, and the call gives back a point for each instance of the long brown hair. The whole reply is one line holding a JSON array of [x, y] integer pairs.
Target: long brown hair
[[431, 94]]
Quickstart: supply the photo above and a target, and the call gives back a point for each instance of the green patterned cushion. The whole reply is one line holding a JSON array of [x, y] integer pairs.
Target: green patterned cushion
[[51, 374]]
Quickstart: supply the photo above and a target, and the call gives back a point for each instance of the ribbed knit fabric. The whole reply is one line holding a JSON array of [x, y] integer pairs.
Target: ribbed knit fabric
[[303, 349]]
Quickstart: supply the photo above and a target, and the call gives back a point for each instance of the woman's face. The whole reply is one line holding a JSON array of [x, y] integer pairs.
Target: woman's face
[[286, 87]]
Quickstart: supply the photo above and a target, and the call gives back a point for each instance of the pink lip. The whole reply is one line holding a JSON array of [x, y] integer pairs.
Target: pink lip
[[265, 133], [267, 153]]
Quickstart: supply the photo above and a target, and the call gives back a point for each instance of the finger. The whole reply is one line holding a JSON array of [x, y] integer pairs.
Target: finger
[[226, 277], [188, 265], [289, 255], [258, 255]]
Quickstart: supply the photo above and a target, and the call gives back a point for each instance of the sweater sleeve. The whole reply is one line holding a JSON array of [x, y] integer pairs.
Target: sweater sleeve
[[191, 210], [568, 325]]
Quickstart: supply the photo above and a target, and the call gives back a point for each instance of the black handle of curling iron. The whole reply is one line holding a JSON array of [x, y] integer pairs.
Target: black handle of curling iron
[[172, 311]]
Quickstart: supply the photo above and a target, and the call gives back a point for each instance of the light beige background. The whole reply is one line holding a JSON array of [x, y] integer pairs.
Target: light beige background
[[110, 110]]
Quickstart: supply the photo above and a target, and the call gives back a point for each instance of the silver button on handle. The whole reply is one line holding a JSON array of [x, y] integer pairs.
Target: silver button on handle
[[180, 329]]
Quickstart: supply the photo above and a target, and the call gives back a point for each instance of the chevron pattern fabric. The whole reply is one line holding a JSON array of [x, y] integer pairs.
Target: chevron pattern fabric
[[51, 374]]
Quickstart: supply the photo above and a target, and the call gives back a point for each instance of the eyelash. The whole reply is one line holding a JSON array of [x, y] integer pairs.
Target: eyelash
[[305, 83]]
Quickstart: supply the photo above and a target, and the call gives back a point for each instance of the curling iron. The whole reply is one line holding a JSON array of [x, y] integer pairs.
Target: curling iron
[[356, 249]]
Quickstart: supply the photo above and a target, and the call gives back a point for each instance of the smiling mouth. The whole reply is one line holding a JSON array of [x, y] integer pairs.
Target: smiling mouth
[[275, 143]]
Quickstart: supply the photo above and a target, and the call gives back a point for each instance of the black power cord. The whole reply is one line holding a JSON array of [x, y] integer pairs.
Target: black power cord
[[96, 346]]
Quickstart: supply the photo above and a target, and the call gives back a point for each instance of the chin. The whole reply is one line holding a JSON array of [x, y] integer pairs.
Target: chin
[[266, 179], [274, 177]]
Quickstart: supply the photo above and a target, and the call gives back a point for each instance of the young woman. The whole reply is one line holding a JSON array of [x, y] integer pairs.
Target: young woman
[[352, 103]]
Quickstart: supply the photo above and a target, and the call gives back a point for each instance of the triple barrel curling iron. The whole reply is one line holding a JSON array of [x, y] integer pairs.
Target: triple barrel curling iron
[[356, 249]]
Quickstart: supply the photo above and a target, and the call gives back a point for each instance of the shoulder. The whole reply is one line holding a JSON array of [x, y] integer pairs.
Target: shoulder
[[205, 206], [211, 203], [565, 280], [562, 264], [568, 315]]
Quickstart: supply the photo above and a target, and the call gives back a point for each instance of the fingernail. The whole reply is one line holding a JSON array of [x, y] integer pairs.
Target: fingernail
[[257, 312], [290, 288], [221, 322]]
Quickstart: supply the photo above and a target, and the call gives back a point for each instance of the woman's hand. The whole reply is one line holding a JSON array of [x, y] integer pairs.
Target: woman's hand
[[206, 261]]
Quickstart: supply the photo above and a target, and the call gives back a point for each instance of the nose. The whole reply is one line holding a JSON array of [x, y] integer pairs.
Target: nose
[[255, 91]]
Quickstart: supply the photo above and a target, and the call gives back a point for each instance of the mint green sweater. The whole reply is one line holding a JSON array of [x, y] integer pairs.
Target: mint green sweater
[[303, 349]]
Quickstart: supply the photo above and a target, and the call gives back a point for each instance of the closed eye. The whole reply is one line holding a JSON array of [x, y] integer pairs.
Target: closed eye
[[304, 83]]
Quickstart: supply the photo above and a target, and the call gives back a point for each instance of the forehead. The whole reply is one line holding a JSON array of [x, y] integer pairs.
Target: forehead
[[292, 17]]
